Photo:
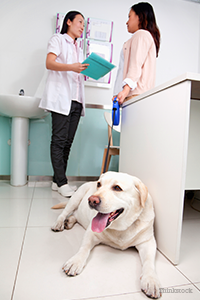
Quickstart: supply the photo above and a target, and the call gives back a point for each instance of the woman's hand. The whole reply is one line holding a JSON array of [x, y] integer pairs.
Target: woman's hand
[[52, 64], [78, 67], [123, 94]]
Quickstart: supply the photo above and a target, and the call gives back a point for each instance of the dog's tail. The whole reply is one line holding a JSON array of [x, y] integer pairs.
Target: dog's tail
[[59, 205]]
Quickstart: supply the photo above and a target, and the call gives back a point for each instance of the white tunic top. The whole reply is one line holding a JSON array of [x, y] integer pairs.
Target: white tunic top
[[63, 86]]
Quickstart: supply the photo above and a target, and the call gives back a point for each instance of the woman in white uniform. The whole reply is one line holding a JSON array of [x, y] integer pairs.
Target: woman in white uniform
[[64, 95]]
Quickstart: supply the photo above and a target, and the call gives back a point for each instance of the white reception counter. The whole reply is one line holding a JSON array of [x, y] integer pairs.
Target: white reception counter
[[160, 144]]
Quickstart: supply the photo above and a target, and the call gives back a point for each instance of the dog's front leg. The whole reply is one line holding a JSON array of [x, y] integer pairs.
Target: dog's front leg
[[150, 284], [75, 265], [59, 225], [60, 222]]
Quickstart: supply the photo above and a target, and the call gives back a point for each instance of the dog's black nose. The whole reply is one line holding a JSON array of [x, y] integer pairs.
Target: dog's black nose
[[94, 201]]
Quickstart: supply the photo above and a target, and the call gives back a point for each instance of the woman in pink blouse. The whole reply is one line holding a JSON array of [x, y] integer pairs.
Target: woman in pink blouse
[[137, 68]]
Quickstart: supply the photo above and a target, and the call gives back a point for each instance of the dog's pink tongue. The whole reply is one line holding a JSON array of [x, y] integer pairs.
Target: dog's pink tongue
[[99, 222]]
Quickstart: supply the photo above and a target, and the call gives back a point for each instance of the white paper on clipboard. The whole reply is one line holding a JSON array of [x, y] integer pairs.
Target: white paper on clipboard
[[99, 29]]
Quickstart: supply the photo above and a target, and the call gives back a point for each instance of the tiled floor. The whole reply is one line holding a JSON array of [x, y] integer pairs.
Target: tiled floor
[[31, 255]]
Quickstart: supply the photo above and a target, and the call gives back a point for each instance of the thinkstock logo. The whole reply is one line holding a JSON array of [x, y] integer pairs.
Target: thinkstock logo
[[175, 291]]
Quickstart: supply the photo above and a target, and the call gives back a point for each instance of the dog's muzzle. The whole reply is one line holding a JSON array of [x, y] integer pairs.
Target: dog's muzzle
[[94, 201], [102, 220]]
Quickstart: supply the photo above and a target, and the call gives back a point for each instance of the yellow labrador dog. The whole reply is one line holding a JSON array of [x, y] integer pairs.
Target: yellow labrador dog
[[117, 210]]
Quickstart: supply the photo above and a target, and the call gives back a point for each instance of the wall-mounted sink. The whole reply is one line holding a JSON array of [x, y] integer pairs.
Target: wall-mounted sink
[[20, 106], [20, 109]]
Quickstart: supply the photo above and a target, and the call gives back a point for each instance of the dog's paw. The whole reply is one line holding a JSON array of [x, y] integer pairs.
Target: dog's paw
[[58, 226], [69, 222], [74, 266], [150, 285]]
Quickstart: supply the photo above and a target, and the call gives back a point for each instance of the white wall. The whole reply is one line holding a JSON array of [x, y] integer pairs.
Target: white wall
[[26, 26]]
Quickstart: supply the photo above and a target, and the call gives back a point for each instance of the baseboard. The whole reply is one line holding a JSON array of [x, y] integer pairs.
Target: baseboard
[[4, 177], [49, 178], [70, 178]]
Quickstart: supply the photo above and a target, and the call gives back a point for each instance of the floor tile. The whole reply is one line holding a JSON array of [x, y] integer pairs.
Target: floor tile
[[44, 199], [108, 272], [4, 183], [46, 192], [14, 212], [10, 247], [49, 183], [42, 213], [190, 250], [31, 184], [125, 296], [185, 292], [43, 184], [167, 273], [8, 191], [44, 254], [198, 285]]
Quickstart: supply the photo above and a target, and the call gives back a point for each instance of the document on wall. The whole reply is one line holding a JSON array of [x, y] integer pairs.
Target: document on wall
[[59, 21], [99, 29], [98, 66]]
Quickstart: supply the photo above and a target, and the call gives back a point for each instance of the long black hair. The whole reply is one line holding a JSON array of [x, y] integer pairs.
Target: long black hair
[[69, 16], [147, 21]]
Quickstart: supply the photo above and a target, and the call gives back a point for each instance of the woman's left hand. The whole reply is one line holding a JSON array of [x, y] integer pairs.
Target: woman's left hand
[[78, 67]]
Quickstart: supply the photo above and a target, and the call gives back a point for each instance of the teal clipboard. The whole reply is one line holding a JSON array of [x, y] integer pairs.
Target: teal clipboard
[[98, 66]]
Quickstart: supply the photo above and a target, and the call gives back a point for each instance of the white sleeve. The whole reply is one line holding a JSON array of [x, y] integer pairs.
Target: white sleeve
[[132, 84], [54, 44]]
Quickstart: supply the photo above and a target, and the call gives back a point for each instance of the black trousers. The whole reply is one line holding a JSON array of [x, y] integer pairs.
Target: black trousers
[[63, 132]]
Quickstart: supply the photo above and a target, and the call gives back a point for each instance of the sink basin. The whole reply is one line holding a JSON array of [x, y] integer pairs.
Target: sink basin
[[20, 109], [21, 106]]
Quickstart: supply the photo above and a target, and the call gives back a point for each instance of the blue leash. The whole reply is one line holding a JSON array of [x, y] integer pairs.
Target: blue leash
[[115, 121]]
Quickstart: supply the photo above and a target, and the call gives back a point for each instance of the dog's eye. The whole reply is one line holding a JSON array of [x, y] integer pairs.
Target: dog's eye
[[98, 184], [117, 188]]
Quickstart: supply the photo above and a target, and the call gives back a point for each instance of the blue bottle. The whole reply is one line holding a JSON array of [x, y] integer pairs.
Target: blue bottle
[[115, 112]]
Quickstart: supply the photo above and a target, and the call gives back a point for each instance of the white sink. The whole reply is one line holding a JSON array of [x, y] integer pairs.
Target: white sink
[[20, 109], [20, 106]]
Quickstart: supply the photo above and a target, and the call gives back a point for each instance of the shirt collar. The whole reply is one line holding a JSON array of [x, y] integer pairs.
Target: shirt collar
[[69, 39]]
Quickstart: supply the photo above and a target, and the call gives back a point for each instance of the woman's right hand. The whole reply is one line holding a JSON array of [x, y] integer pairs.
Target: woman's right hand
[[78, 67], [52, 64]]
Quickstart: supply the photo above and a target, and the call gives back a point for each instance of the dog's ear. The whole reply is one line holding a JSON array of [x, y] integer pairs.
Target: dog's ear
[[143, 192]]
